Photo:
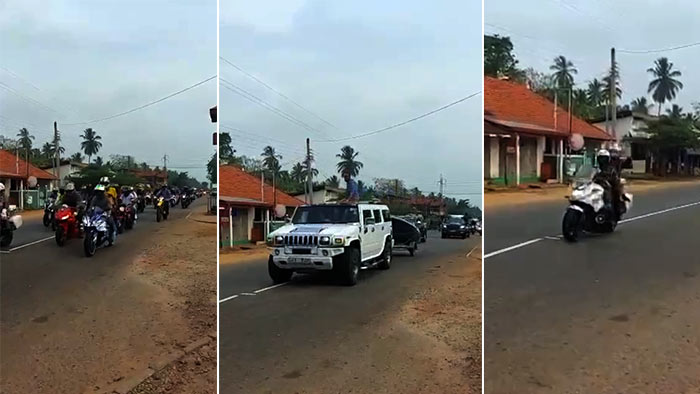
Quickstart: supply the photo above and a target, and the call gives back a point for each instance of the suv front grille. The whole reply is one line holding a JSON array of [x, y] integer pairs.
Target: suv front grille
[[301, 240]]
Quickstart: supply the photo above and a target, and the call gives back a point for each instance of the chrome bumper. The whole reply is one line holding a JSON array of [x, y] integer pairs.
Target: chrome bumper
[[317, 260]]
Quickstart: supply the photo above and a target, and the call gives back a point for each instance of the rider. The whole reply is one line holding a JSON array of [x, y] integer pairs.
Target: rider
[[609, 174], [165, 192], [128, 198], [70, 197], [104, 201]]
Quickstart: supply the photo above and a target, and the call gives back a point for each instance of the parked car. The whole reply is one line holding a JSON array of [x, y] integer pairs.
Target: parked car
[[455, 226]]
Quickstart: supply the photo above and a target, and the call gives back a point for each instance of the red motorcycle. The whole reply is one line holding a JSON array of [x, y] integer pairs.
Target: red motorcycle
[[119, 215], [67, 225], [129, 216]]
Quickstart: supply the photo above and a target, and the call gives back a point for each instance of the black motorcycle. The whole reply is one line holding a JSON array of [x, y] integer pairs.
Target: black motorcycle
[[162, 209], [140, 204], [49, 219]]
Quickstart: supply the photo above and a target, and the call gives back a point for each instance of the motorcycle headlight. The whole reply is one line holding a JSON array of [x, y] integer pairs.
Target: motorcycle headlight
[[121, 209], [65, 217], [462, 226]]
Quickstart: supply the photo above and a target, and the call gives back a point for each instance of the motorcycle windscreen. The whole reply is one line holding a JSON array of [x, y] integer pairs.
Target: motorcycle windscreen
[[404, 232]]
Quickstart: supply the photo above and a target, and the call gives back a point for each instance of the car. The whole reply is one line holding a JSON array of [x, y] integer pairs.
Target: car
[[337, 238], [455, 226]]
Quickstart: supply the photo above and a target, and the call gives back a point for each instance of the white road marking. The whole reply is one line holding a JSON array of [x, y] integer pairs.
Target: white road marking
[[247, 294], [269, 287], [30, 243], [532, 241], [228, 298], [557, 238], [508, 249], [472, 251]]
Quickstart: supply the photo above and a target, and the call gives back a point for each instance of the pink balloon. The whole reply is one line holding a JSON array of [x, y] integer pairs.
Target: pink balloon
[[576, 141]]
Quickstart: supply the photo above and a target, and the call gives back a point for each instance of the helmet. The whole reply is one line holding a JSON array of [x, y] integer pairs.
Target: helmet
[[70, 186], [603, 158], [100, 187], [104, 180], [125, 189], [2, 187]]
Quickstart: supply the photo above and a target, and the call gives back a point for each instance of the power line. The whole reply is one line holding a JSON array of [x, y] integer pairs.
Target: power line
[[29, 99], [251, 97], [633, 51], [278, 93], [142, 106], [444, 107]]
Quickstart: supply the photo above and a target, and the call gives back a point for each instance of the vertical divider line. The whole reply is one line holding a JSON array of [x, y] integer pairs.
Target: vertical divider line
[[483, 207], [218, 227]]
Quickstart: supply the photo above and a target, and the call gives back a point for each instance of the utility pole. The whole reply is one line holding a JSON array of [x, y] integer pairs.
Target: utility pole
[[571, 113], [57, 162], [556, 102], [309, 182], [442, 185], [165, 163], [262, 185], [613, 91]]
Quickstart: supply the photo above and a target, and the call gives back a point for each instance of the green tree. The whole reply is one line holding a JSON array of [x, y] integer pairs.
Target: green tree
[[271, 160], [664, 86], [225, 149], [332, 181], [581, 105], [297, 173], [348, 161], [98, 161], [669, 136], [47, 150], [675, 112], [91, 143], [25, 139], [564, 71], [77, 156], [595, 93], [640, 105], [499, 60], [212, 168]]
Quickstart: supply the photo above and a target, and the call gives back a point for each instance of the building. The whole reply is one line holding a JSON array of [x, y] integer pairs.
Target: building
[[429, 206], [247, 206], [153, 177], [630, 134], [526, 140], [15, 174], [323, 194], [67, 168]]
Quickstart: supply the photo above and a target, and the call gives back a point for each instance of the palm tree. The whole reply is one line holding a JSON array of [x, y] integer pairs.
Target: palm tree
[[91, 143], [77, 156], [564, 71], [640, 105], [664, 86], [225, 148], [332, 181], [595, 93], [298, 173], [581, 104], [47, 150], [348, 162], [25, 139], [98, 161], [676, 112], [271, 160]]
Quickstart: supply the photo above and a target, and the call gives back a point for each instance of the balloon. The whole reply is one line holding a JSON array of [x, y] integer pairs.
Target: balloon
[[576, 142]]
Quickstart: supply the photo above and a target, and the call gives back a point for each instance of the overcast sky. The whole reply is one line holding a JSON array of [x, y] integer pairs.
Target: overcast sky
[[361, 66], [584, 32], [91, 59]]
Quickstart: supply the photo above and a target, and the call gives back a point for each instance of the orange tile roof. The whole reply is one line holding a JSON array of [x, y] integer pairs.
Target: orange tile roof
[[10, 166], [237, 184], [514, 106]]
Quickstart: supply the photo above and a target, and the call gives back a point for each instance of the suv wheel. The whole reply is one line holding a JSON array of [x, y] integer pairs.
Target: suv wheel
[[277, 274], [385, 263], [348, 267]]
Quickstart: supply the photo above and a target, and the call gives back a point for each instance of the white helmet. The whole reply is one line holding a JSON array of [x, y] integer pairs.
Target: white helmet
[[104, 180], [2, 187], [70, 186]]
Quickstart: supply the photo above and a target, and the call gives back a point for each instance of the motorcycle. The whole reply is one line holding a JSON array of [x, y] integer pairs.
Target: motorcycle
[[185, 201], [148, 199], [162, 209], [140, 204], [67, 225], [49, 213], [174, 200], [589, 209], [129, 216], [9, 222], [97, 232], [120, 218]]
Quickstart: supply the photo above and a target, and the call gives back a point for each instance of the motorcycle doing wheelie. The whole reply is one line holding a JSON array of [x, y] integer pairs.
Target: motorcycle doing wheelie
[[162, 209], [590, 206], [67, 225], [97, 232]]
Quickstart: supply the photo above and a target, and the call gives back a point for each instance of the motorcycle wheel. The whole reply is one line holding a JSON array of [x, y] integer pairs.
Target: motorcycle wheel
[[89, 244], [61, 236], [53, 224], [159, 215], [120, 226], [571, 225], [6, 239], [47, 220]]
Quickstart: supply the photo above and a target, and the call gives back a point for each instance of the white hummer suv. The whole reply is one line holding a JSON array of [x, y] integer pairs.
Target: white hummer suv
[[342, 238]]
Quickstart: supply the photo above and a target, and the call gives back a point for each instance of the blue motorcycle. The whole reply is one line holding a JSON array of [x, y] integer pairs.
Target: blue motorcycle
[[97, 232]]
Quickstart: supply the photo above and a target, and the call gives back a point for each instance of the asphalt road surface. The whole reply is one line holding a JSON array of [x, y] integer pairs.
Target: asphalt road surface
[[312, 335], [615, 313], [69, 322]]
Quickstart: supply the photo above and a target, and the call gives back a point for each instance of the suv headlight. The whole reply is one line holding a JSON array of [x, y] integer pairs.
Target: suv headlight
[[338, 241], [275, 241], [324, 241]]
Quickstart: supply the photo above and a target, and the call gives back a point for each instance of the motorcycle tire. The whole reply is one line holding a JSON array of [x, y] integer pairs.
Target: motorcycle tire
[[571, 225], [120, 226], [6, 239], [129, 224], [89, 244], [53, 225], [47, 220], [159, 215], [61, 236]]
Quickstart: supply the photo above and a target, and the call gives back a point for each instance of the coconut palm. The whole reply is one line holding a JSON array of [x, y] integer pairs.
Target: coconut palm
[[98, 161], [47, 150], [564, 71], [297, 173], [25, 139], [664, 86], [271, 160], [581, 103], [77, 156], [91, 143], [332, 181], [675, 112], [348, 162], [595, 93], [640, 105]]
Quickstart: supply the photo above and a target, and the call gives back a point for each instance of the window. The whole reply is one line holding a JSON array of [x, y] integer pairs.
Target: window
[[366, 214], [377, 216], [326, 214], [386, 215]]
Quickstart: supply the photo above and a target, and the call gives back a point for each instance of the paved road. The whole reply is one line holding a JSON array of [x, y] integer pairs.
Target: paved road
[[32, 230], [65, 316], [610, 314], [311, 331]]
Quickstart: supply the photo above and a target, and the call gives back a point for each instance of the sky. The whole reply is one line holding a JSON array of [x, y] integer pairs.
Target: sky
[[360, 66], [584, 32], [76, 61]]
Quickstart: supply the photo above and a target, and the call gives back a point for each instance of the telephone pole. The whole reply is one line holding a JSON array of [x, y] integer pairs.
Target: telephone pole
[[165, 163], [57, 159], [613, 91], [309, 182], [442, 183]]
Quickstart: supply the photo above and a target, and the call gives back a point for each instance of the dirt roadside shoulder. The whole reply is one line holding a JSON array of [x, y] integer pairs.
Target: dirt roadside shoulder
[[501, 199]]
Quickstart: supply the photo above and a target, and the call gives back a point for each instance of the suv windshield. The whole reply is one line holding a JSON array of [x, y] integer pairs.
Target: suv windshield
[[326, 214], [454, 220]]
